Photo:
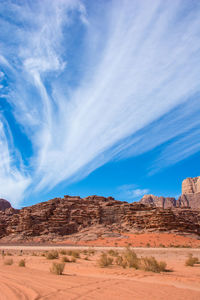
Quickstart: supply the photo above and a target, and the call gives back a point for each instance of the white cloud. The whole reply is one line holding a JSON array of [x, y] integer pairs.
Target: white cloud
[[146, 65], [131, 192]]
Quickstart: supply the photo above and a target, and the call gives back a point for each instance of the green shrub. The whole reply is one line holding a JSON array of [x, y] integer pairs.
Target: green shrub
[[22, 263], [105, 260], [151, 264], [52, 254], [57, 268], [191, 261], [8, 262]]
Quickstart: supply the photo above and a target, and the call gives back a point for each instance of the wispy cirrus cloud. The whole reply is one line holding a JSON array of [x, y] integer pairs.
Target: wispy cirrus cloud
[[87, 85]]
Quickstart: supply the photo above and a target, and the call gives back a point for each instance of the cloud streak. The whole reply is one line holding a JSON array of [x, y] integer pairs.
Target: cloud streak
[[135, 85]]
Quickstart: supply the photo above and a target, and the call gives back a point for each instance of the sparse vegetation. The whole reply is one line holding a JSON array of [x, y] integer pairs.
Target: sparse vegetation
[[57, 268], [76, 254], [63, 252], [191, 260], [8, 262], [65, 259], [105, 260], [52, 254], [73, 259], [151, 264], [22, 263], [112, 252], [130, 259]]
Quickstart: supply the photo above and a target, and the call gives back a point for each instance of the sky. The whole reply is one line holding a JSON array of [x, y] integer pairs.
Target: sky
[[98, 97]]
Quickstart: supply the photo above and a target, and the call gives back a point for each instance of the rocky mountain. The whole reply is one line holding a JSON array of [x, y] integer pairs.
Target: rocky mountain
[[4, 204], [61, 217], [190, 196]]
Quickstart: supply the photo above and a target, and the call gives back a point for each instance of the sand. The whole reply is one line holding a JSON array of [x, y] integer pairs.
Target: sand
[[86, 280]]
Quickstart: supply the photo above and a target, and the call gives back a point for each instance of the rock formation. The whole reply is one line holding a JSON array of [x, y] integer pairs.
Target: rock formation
[[191, 185], [61, 217], [156, 201], [4, 204], [190, 196]]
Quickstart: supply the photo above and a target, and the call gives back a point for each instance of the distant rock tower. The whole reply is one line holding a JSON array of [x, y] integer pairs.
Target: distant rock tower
[[191, 185]]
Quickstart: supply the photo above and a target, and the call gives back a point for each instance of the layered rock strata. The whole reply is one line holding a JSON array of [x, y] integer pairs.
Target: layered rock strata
[[64, 216]]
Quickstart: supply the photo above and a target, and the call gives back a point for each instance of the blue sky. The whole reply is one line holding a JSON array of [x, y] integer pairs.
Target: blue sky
[[98, 97]]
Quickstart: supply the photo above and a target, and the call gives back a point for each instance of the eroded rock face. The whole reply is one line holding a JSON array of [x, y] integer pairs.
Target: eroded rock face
[[4, 204], [65, 216], [155, 201], [191, 185]]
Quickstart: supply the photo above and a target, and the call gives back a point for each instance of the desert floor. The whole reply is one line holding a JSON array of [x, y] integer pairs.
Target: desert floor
[[84, 279]]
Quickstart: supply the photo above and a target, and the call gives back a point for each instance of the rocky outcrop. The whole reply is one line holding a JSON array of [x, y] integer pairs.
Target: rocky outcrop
[[191, 185], [190, 197], [155, 201], [4, 204], [61, 217]]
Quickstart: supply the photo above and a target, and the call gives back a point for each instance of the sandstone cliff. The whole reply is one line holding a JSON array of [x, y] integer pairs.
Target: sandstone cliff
[[190, 196], [60, 217]]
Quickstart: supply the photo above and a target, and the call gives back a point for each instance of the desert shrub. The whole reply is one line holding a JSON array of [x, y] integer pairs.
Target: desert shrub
[[34, 254], [22, 263], [76, 254], [73, 260], [105, 260], [69, 252], [120, 261], [8, 262], [63, 252], [65, 259], [9, 254], [57, 268], [130, 259], [191, 260], [112, 252], [151, 264], [52, 254], [148, 245], [85, 252], [91, 251], [86, 258]]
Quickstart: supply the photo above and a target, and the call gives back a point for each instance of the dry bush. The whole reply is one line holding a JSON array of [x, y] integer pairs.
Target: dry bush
[[57, 268], [8, 262], [73, 260], [69, 252], [52, 254], [22, 263], [76, 254], [121, 262], [86, 258], [63, 252], [65, 259], [130, 259], [151, 264], [112, 252], [191, 260], [9, 254], [105, 260], [91, 251]]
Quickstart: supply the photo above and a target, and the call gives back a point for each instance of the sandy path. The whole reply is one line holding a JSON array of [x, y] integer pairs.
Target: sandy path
[[85, 281]]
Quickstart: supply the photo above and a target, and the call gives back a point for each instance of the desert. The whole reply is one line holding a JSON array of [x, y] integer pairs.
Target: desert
[[85, 279]]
